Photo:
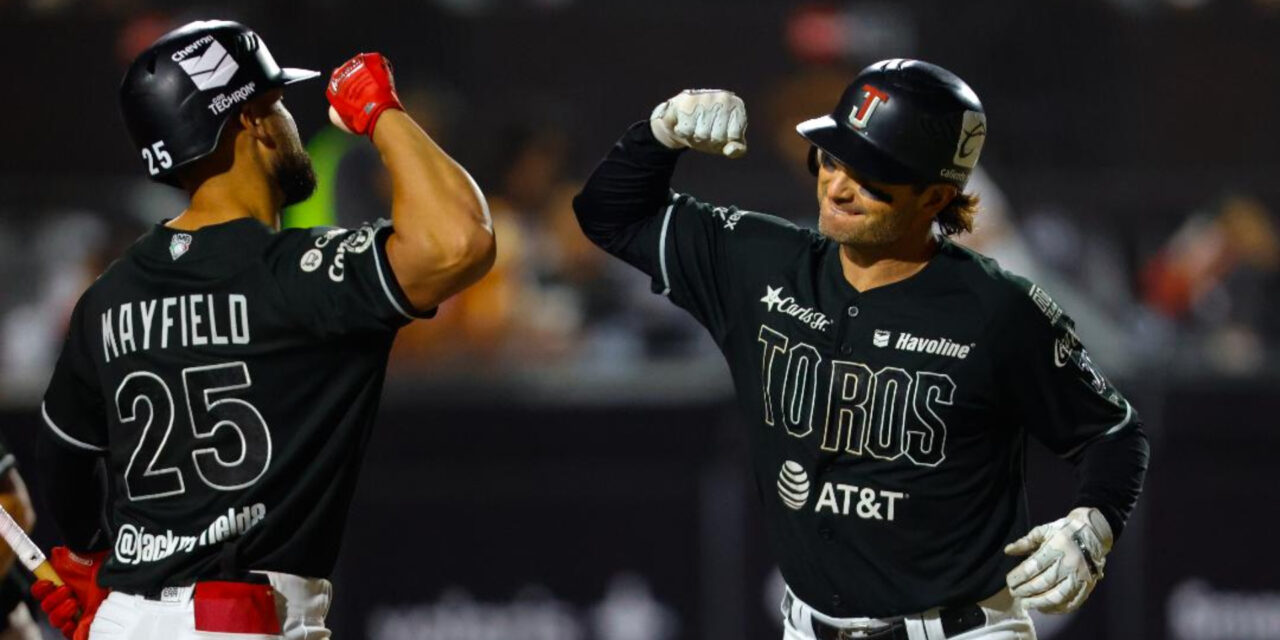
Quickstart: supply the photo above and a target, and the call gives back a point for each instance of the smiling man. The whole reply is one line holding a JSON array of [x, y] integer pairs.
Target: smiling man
[[889, 376]]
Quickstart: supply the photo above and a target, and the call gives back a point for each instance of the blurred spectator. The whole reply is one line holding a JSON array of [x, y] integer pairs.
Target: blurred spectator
[[1211, 276], [65, 253], [551, 298]]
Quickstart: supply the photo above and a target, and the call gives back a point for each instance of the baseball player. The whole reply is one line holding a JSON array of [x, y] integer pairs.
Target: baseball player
[[226, 373], [889, 376]]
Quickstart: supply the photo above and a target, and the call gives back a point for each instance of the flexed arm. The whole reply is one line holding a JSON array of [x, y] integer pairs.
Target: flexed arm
[[443, 239]]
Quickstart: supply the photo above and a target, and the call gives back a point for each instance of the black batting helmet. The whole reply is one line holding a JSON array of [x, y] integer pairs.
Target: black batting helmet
[[903, 121], [178, 95]]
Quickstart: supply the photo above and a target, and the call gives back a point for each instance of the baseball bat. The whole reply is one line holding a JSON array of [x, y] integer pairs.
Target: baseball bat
[[28, 553]]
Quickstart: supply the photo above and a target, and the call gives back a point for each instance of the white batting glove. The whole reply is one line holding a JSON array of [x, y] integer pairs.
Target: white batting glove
[[1067, 564], [706, 120]]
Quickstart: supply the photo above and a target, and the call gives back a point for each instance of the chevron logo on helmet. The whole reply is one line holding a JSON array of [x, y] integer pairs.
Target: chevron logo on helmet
[[212, 69]]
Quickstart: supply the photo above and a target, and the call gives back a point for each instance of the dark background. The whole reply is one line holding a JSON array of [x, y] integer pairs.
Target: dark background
[[598, 488]]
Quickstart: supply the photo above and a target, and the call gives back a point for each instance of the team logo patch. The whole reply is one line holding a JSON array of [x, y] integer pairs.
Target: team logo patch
[[973, 132], [881, 338], [730, 220], [210, 70], [324, 240], [179, 245], [871, 99], [1046, 304], [311, 260], [793, 485], [1096, 379], [1063, 347], [360, 240]]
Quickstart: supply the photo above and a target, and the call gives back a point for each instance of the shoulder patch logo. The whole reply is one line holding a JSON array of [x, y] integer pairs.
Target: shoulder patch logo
[[360, 240], [179, 245], [1046, 304], [1063, 346], [311, 260], [730, 220], [793, 485]]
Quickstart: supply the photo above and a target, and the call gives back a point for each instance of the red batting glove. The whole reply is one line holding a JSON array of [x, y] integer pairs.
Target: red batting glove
[[359, 91], [81, 593], [60, 604]]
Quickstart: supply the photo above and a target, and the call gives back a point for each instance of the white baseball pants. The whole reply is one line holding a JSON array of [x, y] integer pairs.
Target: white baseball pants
[[1006, 620], [301, 603]]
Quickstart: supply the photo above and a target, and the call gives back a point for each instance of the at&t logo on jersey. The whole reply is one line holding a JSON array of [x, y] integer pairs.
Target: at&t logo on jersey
[[209, 70], [773, 301], [793, 485], [837, 498], [864, 502]]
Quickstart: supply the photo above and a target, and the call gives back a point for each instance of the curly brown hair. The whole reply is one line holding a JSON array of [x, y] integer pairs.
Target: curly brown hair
[[957, 217]]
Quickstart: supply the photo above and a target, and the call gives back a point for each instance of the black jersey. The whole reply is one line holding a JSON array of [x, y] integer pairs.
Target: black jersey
[[886, 426], [231, 376]]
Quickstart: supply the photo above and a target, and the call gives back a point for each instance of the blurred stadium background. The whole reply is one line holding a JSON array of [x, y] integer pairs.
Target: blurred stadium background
[[557, 457]]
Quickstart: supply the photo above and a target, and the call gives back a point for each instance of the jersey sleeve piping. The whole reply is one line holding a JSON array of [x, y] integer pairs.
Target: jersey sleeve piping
[[387, 288], [662, 245], [7, 462], [1119, 426], [44, 411]]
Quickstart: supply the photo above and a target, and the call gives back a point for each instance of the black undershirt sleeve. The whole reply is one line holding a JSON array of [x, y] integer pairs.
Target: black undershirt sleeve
[[631, 184], [1111, 472], [74, 493]]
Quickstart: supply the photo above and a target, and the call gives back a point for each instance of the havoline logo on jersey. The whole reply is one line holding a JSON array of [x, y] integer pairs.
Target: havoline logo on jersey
[[932, 346]]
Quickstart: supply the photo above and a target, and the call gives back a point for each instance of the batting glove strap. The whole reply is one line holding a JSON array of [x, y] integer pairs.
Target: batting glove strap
[[359, 91], [706, 120]]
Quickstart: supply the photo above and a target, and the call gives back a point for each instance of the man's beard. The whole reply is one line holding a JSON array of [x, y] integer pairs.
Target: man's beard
[[880, 232], [295, 176]]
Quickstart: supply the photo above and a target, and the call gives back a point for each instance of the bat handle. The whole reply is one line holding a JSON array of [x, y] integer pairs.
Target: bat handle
[[45, 572]]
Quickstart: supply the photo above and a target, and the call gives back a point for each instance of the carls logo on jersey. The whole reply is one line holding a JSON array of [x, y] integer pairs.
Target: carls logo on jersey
[[774, 301]]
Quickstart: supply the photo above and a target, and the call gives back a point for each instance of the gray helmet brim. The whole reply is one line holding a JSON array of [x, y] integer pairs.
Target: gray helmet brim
[[290, 76]]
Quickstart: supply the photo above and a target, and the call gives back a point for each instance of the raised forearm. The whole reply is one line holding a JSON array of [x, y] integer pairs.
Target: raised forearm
[[443, 238], [630, 184]]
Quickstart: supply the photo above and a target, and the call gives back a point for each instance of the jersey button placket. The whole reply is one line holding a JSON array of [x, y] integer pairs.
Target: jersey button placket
[[853, 311]]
